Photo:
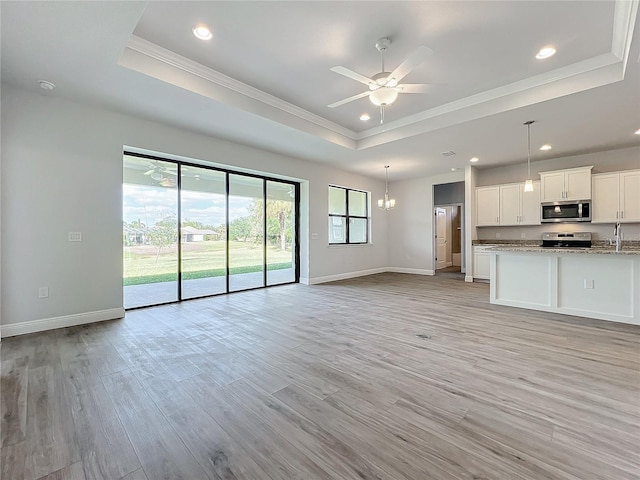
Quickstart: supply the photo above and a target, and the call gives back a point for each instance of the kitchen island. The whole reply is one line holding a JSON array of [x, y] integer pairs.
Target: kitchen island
[[587, 282]]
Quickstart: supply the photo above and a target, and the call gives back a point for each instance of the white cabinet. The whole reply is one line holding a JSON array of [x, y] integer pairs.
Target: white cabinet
[[507, 205], [488, 206], [569, 184], [530, 205], [616, 196], [518, 207], [482, 262], [510, 204], [630, 196]]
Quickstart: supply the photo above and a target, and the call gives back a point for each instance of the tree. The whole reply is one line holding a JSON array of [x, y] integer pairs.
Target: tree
[[164, 233], [240, 229], [279, 219]]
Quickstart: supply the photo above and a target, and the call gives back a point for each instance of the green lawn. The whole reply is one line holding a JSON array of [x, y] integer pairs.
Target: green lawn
[[199, 260]]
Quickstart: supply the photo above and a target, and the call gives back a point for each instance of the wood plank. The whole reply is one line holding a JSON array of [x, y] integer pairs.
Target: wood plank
[[160, 450], [51, 440], [13, 400], [12, 461], [72, 472]]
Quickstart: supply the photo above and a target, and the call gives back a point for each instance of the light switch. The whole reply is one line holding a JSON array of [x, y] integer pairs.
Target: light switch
[[43, 292], [314, 236], [75, 236], [588, 284]]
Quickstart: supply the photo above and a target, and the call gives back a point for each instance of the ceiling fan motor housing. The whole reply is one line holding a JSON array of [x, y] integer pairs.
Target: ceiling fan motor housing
[[383, 43]]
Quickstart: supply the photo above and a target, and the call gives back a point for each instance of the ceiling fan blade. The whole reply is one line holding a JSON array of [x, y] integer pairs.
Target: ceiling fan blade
[[418, 56], [352, 75], [413, 88], [350, 99]]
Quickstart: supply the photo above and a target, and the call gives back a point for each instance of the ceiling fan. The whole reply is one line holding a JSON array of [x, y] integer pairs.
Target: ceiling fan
[[158, 172], [165, 176], [384, 87]]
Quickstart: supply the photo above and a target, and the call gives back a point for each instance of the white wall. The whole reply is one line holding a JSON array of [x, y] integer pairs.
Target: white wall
[[62, 171], [411, 224]]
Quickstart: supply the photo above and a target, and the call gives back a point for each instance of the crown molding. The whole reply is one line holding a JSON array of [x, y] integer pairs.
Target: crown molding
[[589, 73], [606, 68], [604, 62], [175, 60], [623, 27]]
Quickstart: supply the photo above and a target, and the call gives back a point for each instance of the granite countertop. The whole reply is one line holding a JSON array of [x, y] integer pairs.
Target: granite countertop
[[597, 250]]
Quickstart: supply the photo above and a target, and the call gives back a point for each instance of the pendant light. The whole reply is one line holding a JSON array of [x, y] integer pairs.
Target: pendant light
[[528, 184], [386, 203]]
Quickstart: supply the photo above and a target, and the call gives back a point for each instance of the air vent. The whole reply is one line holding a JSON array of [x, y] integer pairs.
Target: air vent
[[450, 153]]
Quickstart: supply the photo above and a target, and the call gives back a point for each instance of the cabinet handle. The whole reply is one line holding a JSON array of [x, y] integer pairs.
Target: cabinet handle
[[497, 219], [617, 215], [622, 214]]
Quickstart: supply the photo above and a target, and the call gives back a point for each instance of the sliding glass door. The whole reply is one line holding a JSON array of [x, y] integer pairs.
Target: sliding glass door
[[246, 232], [203, 241], [281, 246], [150, 232], [192, 231]]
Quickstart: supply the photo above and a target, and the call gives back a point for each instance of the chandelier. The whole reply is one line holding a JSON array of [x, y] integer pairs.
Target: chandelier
[[386, 203]]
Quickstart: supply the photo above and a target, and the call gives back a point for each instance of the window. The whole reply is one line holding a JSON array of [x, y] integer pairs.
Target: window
[[348, 216]]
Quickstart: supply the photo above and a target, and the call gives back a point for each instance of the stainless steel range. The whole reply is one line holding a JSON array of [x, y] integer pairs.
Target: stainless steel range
[[566, 240]]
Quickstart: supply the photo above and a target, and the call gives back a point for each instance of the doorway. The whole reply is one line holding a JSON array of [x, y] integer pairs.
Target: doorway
[[448, 239]]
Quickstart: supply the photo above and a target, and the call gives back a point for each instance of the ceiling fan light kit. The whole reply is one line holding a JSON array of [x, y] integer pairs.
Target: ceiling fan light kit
[[384, 86]]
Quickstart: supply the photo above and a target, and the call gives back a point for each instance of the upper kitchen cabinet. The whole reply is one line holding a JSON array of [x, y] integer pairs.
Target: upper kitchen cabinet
[[507, 205], [488, 206], [569, 184], [518, 207], [616, 197]]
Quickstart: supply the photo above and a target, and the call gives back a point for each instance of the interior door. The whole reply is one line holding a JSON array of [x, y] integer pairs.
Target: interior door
[[441, 238]]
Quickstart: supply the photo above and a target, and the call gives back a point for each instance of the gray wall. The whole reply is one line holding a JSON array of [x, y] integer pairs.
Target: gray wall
[[448, 193]]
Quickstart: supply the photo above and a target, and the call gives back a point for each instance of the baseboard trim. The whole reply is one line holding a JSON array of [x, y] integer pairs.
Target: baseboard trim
[[32, 326], [345, 276], [413, 271]]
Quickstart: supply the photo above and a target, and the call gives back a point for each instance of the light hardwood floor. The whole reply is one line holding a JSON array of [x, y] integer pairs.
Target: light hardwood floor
[[390, 376]]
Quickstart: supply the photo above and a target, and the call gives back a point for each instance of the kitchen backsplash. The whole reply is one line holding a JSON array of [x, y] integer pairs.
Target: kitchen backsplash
[[600, 231]]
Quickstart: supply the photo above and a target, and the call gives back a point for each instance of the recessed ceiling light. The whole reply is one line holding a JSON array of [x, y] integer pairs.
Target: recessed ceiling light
[[545, 147], [546, 52], [364, 117], [46, 85], [202, 32], [474, 160], [453, 169], [637, 132]]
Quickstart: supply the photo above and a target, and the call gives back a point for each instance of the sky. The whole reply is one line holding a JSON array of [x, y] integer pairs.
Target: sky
[[149, 204]]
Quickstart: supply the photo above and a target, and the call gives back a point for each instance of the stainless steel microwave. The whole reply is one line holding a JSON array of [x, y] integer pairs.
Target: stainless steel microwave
[[566, 211]]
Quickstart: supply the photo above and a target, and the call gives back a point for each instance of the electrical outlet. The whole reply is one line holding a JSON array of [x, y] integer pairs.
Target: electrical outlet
[[588, 284], [497, 234], [75, 236], [314, 236], [43, 292], [523, 235]]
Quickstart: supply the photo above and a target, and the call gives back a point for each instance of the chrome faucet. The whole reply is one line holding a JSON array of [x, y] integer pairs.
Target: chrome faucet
[[617, 232]]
